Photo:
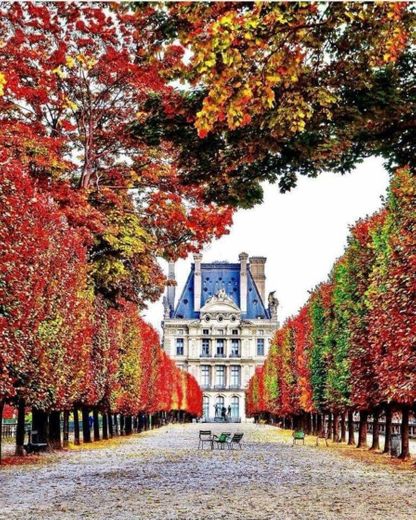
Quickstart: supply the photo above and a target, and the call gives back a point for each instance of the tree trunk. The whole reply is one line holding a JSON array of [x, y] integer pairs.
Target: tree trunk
[[335, 428], [86, 432], [387, 436], [404, 430], [329, 426], [1, 426], [105, 426], [96, 425], [110, 426], [128, 425], [116, 428], [375, 445], [40, 425], [351, 439], [362, 434], [320, 422], [76, 427], [122, 430], [54, 437], [66, 429], [343, 429], [20, 430]]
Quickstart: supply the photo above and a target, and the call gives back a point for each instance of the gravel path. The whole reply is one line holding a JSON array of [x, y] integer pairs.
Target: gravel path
[[161, 475]]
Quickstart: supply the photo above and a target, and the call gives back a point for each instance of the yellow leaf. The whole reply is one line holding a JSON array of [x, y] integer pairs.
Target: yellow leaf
[[70, 62], [3, 81], [59, 72], [70, 104]]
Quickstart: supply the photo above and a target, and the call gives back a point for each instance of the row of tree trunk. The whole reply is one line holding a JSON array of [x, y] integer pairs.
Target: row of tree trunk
[[340, 427], [52, 428]]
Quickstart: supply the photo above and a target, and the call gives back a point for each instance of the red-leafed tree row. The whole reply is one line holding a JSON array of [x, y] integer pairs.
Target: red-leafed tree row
[[90, 197], [351, 348], [65, 348]]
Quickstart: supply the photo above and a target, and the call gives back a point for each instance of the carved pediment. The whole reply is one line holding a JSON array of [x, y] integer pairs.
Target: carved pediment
[[220, 302]]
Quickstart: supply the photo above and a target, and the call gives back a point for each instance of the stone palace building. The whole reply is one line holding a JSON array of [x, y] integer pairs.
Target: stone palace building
[[220, 329]]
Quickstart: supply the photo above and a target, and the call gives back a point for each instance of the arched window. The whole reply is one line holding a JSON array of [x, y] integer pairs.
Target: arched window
[[205, 406], [235, 407], [219, 405]]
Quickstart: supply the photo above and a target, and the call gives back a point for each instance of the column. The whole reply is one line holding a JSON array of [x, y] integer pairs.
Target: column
[[197, 282]]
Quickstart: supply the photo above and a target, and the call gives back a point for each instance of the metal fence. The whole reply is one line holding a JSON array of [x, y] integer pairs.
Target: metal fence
[[10, 427]]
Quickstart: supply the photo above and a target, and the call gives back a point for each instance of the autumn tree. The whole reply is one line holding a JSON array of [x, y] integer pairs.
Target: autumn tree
[[83, 77], [282, 89]]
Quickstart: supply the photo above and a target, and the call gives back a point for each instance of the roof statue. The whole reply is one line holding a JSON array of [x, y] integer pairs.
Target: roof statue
[[221, 296], [273, 304]]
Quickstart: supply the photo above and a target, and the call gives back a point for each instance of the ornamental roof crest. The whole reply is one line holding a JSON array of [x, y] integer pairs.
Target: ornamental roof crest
[[220, 302]]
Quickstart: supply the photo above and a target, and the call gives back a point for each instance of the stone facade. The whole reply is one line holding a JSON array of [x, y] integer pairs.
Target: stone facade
[[220, 329]]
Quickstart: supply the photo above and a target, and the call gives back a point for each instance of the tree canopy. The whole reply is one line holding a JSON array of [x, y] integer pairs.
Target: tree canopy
[[281, 89]]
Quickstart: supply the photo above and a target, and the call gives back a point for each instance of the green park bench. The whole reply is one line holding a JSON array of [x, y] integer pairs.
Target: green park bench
[[235, 440], [298, 436], [205, 436], [222, 439]]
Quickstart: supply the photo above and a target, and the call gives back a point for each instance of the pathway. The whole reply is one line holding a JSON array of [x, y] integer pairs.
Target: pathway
[[161, 475]]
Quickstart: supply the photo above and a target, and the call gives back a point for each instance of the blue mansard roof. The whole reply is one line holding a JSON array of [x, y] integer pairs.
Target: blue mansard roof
[[216, 276]]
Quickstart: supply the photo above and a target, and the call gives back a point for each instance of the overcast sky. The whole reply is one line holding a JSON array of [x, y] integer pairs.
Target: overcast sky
[[301, 233]]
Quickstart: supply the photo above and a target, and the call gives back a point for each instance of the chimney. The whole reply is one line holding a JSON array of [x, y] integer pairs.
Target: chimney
[[243, 257], [170, 293], [257, 264], [197, 282]]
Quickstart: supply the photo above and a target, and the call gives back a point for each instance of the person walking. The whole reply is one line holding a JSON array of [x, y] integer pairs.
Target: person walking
[[223, 412]]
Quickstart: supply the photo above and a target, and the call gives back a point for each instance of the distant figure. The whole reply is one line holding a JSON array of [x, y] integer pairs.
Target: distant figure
[[90, 421], [217, 410], [223, 411], [229, 411]]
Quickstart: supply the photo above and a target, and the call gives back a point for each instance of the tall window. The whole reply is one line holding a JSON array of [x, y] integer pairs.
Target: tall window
[[179, 346], [220, 376], [205, 406], [260, 346], [219, 404], [205, 376], [235, 332], [205, 348], [235, 407], [220, 348], [205, 332], [235, 348], [235, 376]]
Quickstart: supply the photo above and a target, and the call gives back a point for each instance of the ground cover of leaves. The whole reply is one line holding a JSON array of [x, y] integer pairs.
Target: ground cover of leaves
[[162, 475]]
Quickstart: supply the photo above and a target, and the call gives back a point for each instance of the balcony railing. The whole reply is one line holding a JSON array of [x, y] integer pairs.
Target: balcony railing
[[219, 355], [235, 355], [205, 355], [222, 387]]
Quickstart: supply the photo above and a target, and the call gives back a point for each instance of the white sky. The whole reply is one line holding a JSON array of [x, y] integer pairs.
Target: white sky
[[301, 233]]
